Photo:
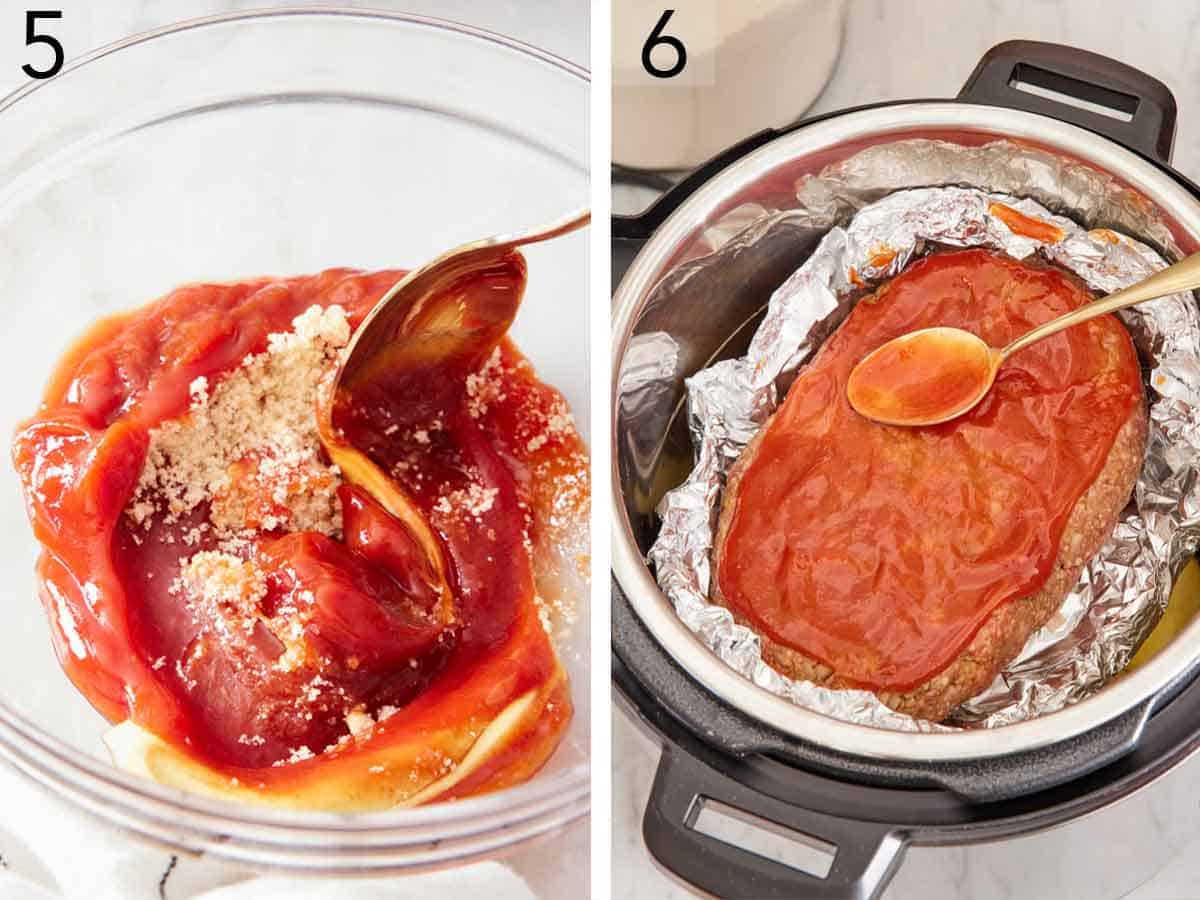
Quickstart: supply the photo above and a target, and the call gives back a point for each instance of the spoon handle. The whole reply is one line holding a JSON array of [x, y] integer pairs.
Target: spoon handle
[[1182, 276], [567, 223]]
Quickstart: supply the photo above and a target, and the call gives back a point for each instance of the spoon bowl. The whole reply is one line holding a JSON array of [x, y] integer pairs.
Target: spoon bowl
[[447, 315], [426, 289], [925, 377], [934, 375]]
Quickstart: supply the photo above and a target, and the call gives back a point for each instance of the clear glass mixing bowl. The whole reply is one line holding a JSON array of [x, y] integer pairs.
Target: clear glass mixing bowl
[[277, 142]]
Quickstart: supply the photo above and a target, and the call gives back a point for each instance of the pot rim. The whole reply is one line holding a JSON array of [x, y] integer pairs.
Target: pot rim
[[1175, 663]]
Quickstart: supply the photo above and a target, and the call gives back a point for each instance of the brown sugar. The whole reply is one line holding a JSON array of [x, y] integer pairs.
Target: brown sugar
[[249, 446], [248, 450]]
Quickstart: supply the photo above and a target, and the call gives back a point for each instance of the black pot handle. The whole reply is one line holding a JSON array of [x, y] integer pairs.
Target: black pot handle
[[641, 226], [646, 673], [866, 854], [1148, 104], [1067, 71], [629, 233]]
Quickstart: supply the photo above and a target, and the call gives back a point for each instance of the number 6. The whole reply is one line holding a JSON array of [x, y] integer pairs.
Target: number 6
[[656, 38]]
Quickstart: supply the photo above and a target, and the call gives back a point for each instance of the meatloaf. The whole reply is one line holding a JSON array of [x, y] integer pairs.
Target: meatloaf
[[916, 562]]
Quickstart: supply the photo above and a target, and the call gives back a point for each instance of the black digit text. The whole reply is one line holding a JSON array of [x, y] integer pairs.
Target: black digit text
[[32, 37], [657, 38]]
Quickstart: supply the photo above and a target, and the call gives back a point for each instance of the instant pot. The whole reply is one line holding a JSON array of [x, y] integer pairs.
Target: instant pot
[[865, 793]]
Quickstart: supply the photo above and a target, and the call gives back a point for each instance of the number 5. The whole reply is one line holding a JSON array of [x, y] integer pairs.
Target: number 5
[[32, 37], [656, 38]]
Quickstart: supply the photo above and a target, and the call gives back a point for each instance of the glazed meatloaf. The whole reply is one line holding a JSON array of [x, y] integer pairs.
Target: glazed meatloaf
[[916, 562]]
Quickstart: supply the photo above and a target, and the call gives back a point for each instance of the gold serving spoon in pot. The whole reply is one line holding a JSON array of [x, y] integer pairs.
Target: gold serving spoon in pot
[[934, 375]]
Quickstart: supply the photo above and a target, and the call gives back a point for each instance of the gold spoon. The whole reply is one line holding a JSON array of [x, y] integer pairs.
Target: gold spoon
[[934, 375], [429, 318], [421, 288]]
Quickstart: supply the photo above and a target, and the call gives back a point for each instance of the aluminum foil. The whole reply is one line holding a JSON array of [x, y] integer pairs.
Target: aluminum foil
[[1124, 589]]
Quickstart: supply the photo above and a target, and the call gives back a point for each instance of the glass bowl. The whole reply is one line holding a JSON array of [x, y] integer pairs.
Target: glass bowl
[[278, 142]]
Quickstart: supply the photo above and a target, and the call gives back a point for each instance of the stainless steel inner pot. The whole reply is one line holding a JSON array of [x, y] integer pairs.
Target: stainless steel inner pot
[[639, 477]]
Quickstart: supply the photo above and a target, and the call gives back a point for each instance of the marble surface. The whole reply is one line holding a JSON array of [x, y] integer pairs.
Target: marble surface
[[1146, 846], [555, 866]]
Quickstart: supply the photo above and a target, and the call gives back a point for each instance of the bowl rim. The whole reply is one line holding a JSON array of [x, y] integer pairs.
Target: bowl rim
[[1141, 688], [558, 799], [280, 12]]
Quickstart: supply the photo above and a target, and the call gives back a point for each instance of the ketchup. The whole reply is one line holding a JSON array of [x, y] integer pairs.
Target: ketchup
[[880, 551], [124, 634], [1027, 226]]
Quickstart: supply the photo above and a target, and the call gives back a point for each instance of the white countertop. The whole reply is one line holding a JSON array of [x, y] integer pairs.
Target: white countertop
[[1145, 847]]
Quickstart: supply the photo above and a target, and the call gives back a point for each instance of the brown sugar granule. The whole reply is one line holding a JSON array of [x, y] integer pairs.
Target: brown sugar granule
[[250, 446], [235, 584], [483, 387]]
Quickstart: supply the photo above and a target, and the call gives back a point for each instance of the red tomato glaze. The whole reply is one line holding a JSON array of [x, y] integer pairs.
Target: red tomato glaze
[[880, 551]]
